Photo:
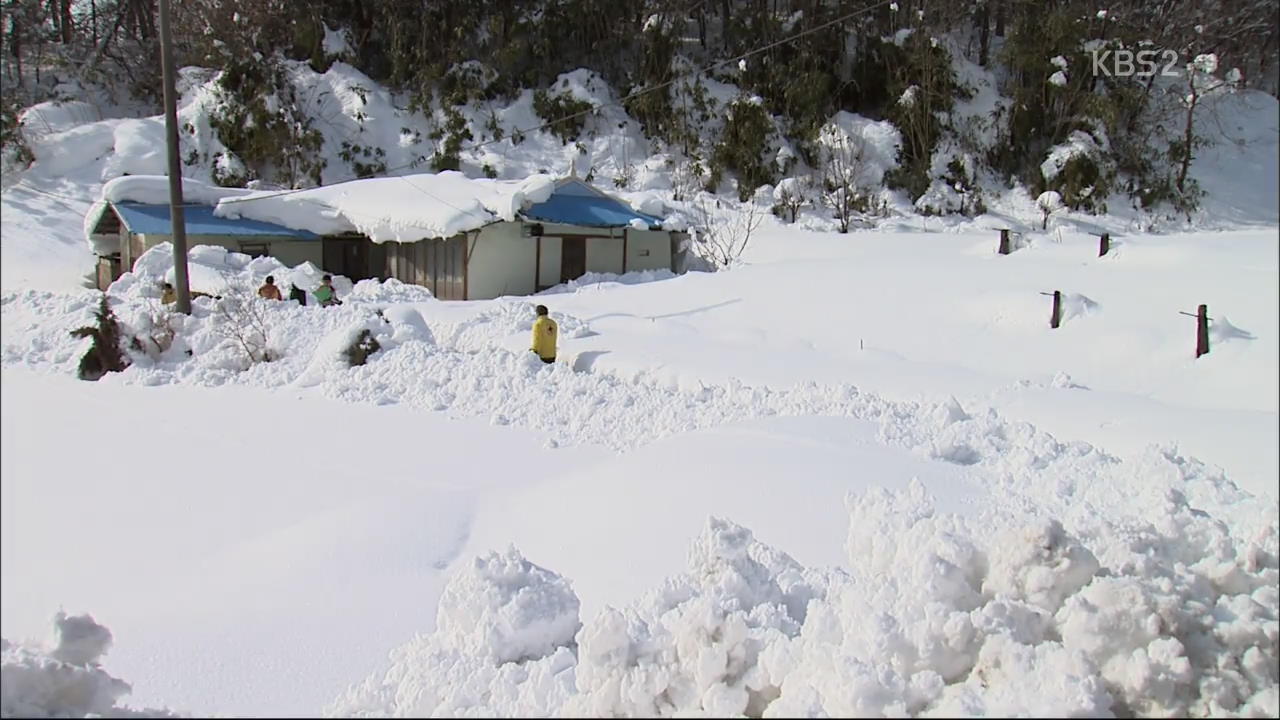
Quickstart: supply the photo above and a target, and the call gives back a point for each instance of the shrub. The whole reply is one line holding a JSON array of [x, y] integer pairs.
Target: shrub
[[358, 352], [565, 114], [104, 355], [747, 130]]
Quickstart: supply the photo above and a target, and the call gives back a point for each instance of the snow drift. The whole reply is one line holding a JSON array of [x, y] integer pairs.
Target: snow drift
[[935, 616], [65, 680]]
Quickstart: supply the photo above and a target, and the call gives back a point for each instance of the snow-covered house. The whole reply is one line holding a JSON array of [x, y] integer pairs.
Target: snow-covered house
[[462, 238], [121, 231], [552, 238]]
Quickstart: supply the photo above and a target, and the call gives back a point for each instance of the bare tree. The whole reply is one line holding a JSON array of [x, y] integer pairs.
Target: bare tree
[[1201, 83], [723, 232], [790, 195], [241, 317], [844, 174]]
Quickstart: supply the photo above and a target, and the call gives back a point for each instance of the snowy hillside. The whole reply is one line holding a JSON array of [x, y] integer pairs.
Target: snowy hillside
[[853, 474]]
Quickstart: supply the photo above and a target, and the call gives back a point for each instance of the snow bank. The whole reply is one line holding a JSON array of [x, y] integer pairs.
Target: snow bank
[[504, 638], [597, 278], [205, 348], [936, 615], [876, 142], [66, 680]]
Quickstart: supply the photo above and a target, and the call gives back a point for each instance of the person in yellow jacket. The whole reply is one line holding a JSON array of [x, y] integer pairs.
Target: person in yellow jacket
[[544, 336]]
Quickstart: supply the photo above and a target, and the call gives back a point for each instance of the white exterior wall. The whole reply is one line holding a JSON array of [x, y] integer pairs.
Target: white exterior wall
[[549, 272], [658, 245], [501, 262], [296, 252], [604, 255]]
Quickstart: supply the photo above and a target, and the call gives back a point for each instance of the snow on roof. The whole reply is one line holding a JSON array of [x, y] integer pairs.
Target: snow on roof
[[200, 220], [151, 190], [406, 208], [574, 202]]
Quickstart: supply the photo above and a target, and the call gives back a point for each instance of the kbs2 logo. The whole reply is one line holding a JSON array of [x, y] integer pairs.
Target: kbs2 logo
[[1127, 63]]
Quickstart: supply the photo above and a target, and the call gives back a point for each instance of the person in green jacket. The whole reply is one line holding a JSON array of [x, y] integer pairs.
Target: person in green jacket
[[325, 294]]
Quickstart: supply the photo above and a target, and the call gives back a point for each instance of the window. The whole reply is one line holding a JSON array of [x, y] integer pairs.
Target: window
[[256, 249]]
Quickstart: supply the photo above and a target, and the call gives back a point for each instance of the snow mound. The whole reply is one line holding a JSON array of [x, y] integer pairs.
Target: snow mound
[[66, 680], [598, 278], [306, 343], [486, 329], [1221, 330], [936, 615], [504, 637]]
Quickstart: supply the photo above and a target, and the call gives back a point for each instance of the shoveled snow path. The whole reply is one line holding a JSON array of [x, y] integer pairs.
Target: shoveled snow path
[[1031, 469]]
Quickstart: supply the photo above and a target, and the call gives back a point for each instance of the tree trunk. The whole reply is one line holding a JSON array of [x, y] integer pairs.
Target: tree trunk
[[15, 45], [726, 29], [67, 23], [984, 33], [1187, 137], [1000, 13]]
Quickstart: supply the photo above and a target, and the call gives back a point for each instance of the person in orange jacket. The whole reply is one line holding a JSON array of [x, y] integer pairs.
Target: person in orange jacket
[[269, 290], [544, 336]]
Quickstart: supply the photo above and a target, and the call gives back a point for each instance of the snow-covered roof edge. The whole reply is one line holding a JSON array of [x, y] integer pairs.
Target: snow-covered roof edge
[[151, 190], [402, 208]]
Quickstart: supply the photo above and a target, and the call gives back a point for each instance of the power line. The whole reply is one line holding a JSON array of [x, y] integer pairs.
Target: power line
[[473, 146]]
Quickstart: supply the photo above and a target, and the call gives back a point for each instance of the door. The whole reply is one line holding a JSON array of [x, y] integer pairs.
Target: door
[[346, 256], [573, 258]]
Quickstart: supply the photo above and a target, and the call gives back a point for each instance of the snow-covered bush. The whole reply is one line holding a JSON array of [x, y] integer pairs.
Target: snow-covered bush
[[1080, 170], [789, 196], [1048, 203]]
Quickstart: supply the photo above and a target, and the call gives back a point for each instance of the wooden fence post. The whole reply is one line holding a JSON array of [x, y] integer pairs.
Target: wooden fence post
[[1104, 244], [1004, 242], [1202, 331], [1055, 316]]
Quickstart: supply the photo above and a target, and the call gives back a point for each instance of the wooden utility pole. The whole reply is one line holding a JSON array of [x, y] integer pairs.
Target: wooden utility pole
[[176, 215]]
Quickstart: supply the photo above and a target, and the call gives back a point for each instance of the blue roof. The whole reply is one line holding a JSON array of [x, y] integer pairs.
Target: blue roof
[[200, 220], [573, 205]]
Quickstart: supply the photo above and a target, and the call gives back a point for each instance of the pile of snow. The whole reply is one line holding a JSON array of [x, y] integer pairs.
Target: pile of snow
[[596, 279], [935, 614], [206, 347], [406, 208], [504, 638], [66, 680], [506, 318]]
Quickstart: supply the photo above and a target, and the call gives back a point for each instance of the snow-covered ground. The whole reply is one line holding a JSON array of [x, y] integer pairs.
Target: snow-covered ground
[[858, 474]]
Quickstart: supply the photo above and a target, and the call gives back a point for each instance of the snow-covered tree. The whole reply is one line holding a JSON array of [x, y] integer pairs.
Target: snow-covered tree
[[790, 195], [1201, 83], [844, 172], [1049, 202]]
